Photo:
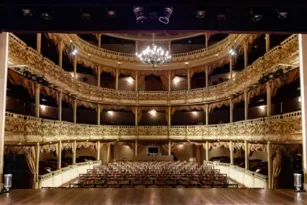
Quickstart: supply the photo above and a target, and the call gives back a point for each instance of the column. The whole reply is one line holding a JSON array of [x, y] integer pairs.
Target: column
[[61, 45], [136, 46], [98, 114], [169, 147], [230, 67], [207, 151], [206, 39], [75, 111], [269, 150], [116, 79], [246, 154], [3, 84], [75, 66], [37, 99], [60, 96], [98, 150], [245, 54], [136, 80], [169, 81], [169, 46], [230, 110], [59, 154], [136, 148], [98, 76], [99, 40], [245, 105], [303, 83], [207, 114], [74, 152], [207, 76], [231, 152], [267, 42], [36, 173], [268, 99], [189, 78], [38, 42], [108, 152]]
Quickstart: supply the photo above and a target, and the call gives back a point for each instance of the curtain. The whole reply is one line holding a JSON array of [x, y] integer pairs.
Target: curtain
[[30, 158]]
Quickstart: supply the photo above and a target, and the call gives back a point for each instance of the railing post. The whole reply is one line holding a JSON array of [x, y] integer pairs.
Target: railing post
[[60, 96], [246, 154], [75, 66], [207, 151], [38, 42], [245, 54], [98, 150], [269, 151], [268, 99], [245, 105], [267, 42], [231, 152], [61, 45], [74, 152], [59, 154]]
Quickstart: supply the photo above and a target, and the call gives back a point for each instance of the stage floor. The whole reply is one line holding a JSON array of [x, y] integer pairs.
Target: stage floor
[[171, 196]]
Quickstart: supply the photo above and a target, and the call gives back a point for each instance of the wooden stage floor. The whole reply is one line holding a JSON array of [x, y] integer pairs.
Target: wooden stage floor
[[171, 196]]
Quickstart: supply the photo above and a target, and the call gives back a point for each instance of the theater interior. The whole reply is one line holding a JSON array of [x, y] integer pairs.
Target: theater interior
[[153, 103]]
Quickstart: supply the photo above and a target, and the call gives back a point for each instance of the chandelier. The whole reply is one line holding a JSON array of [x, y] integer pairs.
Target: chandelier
[[154, 55]]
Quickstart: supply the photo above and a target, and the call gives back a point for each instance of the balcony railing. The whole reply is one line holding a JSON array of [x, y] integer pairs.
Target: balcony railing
[[278, 128]]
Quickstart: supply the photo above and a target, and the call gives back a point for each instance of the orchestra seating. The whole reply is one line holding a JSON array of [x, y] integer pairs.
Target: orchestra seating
[[162, 174]]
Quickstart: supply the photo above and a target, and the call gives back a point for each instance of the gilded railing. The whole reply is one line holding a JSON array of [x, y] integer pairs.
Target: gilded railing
[[278, 128], [21, 54]]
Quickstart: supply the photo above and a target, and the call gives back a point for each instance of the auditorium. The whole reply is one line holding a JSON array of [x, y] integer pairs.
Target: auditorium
[[120, 103]]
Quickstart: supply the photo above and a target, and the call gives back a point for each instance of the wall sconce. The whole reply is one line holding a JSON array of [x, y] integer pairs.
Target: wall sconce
[[152, 112], [194, 112], [262, 107], [299, 99], [176, 80], [130, 80], [43, 107], [110, 112]]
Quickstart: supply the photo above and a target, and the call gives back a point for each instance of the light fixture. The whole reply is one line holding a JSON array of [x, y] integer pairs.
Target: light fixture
[[26, 12], [152, 112], [110, 12], [194, 112], [47, 15], [139, 14], [176, 80], [282, 14], [154, 55], [74, 52], [110, 112], [85, 15], [130, 80], [232, 52], [221, 16], [200, 13], [187, 63], [43, 107], [167, 12], [299, 99], [255, 15], [262, 107]]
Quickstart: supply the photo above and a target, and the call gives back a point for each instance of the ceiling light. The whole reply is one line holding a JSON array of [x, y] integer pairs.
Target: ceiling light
[[282, 14], [232, 52], [299, 99], [200, 13], [130, 80], [262, 107], [167, 12], [255, 15], [139, 14], [26, 12], [74, 52], [152, 112], [110, 112]]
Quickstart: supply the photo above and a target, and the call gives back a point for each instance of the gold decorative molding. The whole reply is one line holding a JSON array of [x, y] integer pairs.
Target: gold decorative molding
[[20, 54], [280, 128]]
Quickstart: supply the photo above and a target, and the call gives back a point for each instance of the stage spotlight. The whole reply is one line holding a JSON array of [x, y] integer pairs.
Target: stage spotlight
[[152, 112], [167, 12], [74, 52], [40, 80], [47, 15], [139, 14], [200, 13], [26, 12], [232, 52], [299, 99], [278, 73], [220, 16], [85, 15], [34, 77], [271, 76], [282, 14], [110, 12], [255, 15]]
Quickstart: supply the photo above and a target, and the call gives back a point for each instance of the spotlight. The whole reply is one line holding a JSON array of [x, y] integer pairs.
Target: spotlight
[[40, 80], [299, 99], [190, 41], [130, 80], [221, 16], [200, 13], [26, 12], [281, 14], [262, 107], [85, 15], [34, 77], [110, 12], [232, 52], [194, 112], [110, 112], [278, 73], [255, 16], [74, 52], [43, 107], [47, 15], [152, 112], [26, 73], [167, 12], [45, 83], [176, 80], [139, 14], [271, 76]]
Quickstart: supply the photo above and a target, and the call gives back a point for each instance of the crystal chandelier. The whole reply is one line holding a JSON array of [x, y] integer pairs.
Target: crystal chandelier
[[154, 55]]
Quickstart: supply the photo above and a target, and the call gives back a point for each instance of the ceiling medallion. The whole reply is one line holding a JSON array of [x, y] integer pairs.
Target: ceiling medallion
[[154, 55]]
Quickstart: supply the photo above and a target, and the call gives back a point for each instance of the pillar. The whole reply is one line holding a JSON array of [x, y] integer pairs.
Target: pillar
[[303, 83], [169, 147], [116, 79], [98, 76], [36, 173], [108, 152], [136, 148], [267, 42], [99, 40], [230, 110], [59, 154], [75, 111], [61, 54], [245, 54], [206, 39], [207, 76], [75, 66], [231, 152], [189, 78], [136, 46], [245, 105], [60, 96], [38, 42], [246, 155], [74, 152], [269, 151], [207, 115], [169, 46], [268, 99], [98, 150], [136, 80], [230, 67], [98, 114], [37, 99], [207, 151], [169, 81], [3, 84]]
